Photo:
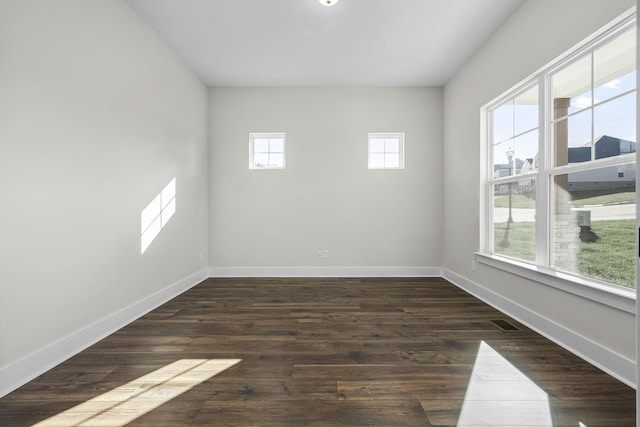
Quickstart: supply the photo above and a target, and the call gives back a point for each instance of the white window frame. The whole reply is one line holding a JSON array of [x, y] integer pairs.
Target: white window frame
[[389, 135], [272, 135], [541, 270]]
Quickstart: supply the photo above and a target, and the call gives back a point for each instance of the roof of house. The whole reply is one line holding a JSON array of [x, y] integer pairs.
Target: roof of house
[[605, 146]]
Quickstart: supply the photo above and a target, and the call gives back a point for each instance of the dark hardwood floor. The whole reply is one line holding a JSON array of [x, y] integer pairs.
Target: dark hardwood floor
[[323, 352]]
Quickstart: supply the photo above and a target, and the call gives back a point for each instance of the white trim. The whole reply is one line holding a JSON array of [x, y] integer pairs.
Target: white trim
[[623, 299], [614, 364], [607, 162], [24, 370], [29, 367], [325, 272]]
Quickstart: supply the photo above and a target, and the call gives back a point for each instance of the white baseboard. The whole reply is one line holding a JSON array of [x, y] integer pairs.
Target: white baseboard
[[24, 370], [325, 272], [610, 362]]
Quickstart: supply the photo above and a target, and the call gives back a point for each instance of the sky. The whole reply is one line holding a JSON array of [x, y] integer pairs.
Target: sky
[[515, 124]]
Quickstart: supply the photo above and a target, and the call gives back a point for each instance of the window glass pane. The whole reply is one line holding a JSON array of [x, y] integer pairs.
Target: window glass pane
[[572, 139], [392, 160], [261, 160], [525, 150], [515, 137], [615, 120], [514, 220], [516, 156], [593, 224], [503, 128], [391, 145], [276, 145], [267, 150], [385, 150], [573, 83], [261, 145], [501, 164], [276, 160], [376, 160], [614, 67], [580, 130], [526, 111], [376, 145]]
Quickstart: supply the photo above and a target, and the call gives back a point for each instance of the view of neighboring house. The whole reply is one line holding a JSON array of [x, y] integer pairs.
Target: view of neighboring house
[[519, 167], [608, 178]]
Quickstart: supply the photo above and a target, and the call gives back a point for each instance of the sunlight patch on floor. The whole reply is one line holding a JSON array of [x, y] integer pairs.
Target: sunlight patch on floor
[[122, 405], [500, 394]]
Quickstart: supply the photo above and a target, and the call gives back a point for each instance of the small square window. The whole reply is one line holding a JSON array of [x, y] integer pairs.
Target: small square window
[[386, 151], [266, 150]]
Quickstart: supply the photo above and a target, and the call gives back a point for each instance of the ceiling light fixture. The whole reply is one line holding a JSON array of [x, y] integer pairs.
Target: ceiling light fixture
[[328, 2]]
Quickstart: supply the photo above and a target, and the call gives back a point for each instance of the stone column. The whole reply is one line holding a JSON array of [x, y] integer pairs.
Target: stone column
[[566, 232]]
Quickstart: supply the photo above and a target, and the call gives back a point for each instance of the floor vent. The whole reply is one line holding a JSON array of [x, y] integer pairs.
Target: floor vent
[[504, 325]]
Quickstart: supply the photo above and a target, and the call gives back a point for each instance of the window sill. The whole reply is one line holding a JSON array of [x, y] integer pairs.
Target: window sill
[[614, 296]]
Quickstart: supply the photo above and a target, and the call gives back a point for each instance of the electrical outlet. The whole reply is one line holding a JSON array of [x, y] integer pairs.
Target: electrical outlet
[[320, 253], [325, 254]]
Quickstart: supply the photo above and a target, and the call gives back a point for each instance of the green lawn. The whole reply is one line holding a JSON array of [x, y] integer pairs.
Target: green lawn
[[517, 240], [581, 199], [611, 258]]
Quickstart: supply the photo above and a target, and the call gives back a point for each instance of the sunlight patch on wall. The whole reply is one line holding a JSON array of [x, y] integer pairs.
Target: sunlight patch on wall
[[500, 394], [156, 215], [122, 405]]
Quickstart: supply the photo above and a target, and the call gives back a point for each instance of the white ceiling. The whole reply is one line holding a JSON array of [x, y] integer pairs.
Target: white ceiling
[[302, 43]]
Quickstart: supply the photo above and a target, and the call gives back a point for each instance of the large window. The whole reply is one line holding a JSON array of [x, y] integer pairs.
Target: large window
[[562, 170]]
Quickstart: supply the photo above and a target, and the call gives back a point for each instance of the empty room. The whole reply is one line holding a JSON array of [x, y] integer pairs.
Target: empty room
[[318, 213]]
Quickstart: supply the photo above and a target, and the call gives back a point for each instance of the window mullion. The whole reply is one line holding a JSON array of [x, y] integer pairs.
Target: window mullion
[[490, 184], [544, 160], [593, 103]]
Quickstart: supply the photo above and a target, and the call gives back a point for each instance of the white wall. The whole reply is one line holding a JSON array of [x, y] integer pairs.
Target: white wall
[[536, 34], [326, 198], [97, 116]]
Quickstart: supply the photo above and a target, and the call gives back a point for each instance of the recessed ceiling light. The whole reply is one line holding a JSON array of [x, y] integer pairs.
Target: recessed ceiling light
[[328, 2]]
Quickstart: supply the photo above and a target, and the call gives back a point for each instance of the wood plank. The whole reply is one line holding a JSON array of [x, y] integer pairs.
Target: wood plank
[[338, 352]]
